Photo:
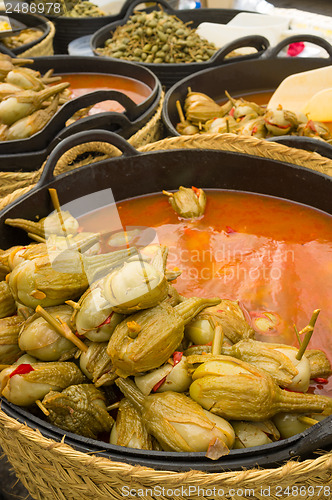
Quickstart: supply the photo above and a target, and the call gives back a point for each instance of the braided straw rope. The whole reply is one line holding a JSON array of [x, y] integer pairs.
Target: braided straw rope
[[54, 470], [44, 48], [246, 145], [151, 132]]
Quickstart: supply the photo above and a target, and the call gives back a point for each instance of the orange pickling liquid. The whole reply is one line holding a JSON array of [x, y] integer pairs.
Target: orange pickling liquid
[[83, 83], [270, 254]]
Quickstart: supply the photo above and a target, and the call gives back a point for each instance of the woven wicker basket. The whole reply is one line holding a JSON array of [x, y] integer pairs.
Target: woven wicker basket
[[44, 48], [54, 470]]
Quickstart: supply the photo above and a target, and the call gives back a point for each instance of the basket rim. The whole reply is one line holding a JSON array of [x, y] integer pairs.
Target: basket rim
[[293, 469]]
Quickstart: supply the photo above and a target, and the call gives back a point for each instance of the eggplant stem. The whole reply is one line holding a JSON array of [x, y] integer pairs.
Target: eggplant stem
[[114, 406], [217, 341], [42, 407], [297, 335], [61, 328], [308, 330], [73, 304], [233, 101], [308, 420], [36, 237], [86, 244], [56, 205], [180, 112]]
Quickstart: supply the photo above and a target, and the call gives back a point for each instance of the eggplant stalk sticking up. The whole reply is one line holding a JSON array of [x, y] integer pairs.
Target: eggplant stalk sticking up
[[160, 332], [17, 107], [180, 424], [243, 108], [237, 390]]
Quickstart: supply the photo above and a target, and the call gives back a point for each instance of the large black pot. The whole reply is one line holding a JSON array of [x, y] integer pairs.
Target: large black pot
[[30, 21], [169, 74], [135, 174], [250, 77], [29, 154], [68, 29]]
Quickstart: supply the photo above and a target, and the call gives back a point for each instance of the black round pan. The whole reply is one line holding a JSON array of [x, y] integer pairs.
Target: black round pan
[[29, 154], [250, 77], [169, 74], [134, 174], [68, 29], [27, 21]]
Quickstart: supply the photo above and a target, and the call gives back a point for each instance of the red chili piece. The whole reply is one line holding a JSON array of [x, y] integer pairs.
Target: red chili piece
[[196, 191], [311, 125], [320, 380], [106, 322], [177, 356], [279, 126], [158, 384], [22, 369]]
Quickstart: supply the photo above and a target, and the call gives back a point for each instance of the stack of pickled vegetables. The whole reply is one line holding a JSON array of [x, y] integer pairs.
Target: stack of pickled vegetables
[[103, 343], [28, 100], [238, 116], [157, 37], [24, 37]]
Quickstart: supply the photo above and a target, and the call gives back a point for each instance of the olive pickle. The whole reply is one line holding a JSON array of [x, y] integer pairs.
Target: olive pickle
[[158, 33]]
